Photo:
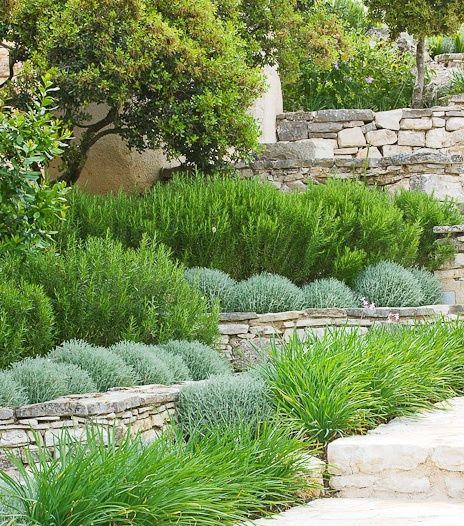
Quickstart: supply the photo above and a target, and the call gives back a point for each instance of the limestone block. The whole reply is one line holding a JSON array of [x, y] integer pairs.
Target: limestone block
[[404, 483], [369, 153], [381, 137], [322, 148], [344, 115], [455, 123], [455, 487], [346, 151], [13, 438], [438, 122], [449, 457], [424, 123], [411, 138], [4, 66], [389, 120], [437, 138], [370, 126], [292, 130], [351, 137], [416, 114], [233, 328], [389, 150], [324, 127]]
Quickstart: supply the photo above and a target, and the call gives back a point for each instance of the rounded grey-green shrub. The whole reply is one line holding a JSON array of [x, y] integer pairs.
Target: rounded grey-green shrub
[[388, 284], [149, 368], [42, 379], [431, 287], [106, 369], [223, 401], [202, 361], [11, 392], [329, 293], [176, 364], [265, 293], [213, 283]]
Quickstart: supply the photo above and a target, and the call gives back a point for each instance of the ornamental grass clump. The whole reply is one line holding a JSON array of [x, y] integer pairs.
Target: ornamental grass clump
[[329, 293], [202, 361], [149, 368], [430, 286], [346, 383], [213, 283], [387, 284], [42, 379], [223, 478], [265, 293], [224, 401], [106, 369], [11, 392]]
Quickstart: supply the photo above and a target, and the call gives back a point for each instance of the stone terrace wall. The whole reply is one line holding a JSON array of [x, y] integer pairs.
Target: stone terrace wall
[[349, 134], [146, 410], [450, 60], [243, 334], [451, 275]]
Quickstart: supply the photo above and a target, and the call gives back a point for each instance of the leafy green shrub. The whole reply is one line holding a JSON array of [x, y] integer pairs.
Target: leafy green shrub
[[388, 284], [345, 383], [27, 322], [329, 293], [202, 361], [11, 393], [249, 227], [430, 286], [223, 401], [44, 380], [148, 367], [105, 368], [103, 294], [376, 75], [29, 204], [219, 479], [265, 293], [214, 284], [428, 212]]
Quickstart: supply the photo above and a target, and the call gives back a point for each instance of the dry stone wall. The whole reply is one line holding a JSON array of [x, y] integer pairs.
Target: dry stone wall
[[145, 410], [450, 60], [244, 334], [451, 275], [405, 148]]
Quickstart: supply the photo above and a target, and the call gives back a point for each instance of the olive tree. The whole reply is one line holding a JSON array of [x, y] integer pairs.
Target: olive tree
[[170, 74], [422, 19]]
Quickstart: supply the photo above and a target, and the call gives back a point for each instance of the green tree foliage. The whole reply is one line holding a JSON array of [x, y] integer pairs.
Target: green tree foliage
[[170, 74], [422, 19], [29, 205]]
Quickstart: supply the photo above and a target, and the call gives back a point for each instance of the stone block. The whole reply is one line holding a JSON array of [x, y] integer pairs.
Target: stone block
[[389, 150], [389, 120], [13, 438], [346, 151], [321, 148], [351, 137], [416, 114], [381, 137], [370, 126], [324, 127], [424, 123], [411, 138], [369, 153], [448, 457], [437, 138], [438, 122], [343, 115], [292, 130]]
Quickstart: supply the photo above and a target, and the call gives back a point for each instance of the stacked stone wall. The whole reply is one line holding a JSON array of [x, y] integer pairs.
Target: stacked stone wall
[[244, 334], [146, 410]]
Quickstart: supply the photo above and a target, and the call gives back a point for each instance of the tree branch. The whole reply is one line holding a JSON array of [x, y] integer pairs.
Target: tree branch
[[106, 121]]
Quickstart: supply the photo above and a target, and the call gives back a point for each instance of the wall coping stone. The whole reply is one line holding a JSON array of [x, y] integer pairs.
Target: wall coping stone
[[451, 229]]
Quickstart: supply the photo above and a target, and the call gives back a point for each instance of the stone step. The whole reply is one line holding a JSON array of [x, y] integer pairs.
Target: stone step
[[370, 512], [417, 458]]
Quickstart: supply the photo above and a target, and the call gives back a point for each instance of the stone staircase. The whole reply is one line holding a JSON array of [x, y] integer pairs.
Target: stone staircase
[[409, 472]]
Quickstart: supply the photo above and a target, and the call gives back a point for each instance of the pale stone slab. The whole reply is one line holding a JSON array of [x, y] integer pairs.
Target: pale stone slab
[[389, 120], [369, 153], [424, 123], [369, 512], [381, 137], [351, 137], [411, 138], [455, 123], [389, 150]]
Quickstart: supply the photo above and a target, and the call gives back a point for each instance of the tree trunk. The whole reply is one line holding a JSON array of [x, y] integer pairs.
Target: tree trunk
[[418, 93]]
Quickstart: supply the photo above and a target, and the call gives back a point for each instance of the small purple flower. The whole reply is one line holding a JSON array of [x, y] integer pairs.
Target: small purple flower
[[393, 317], [366, 304]]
